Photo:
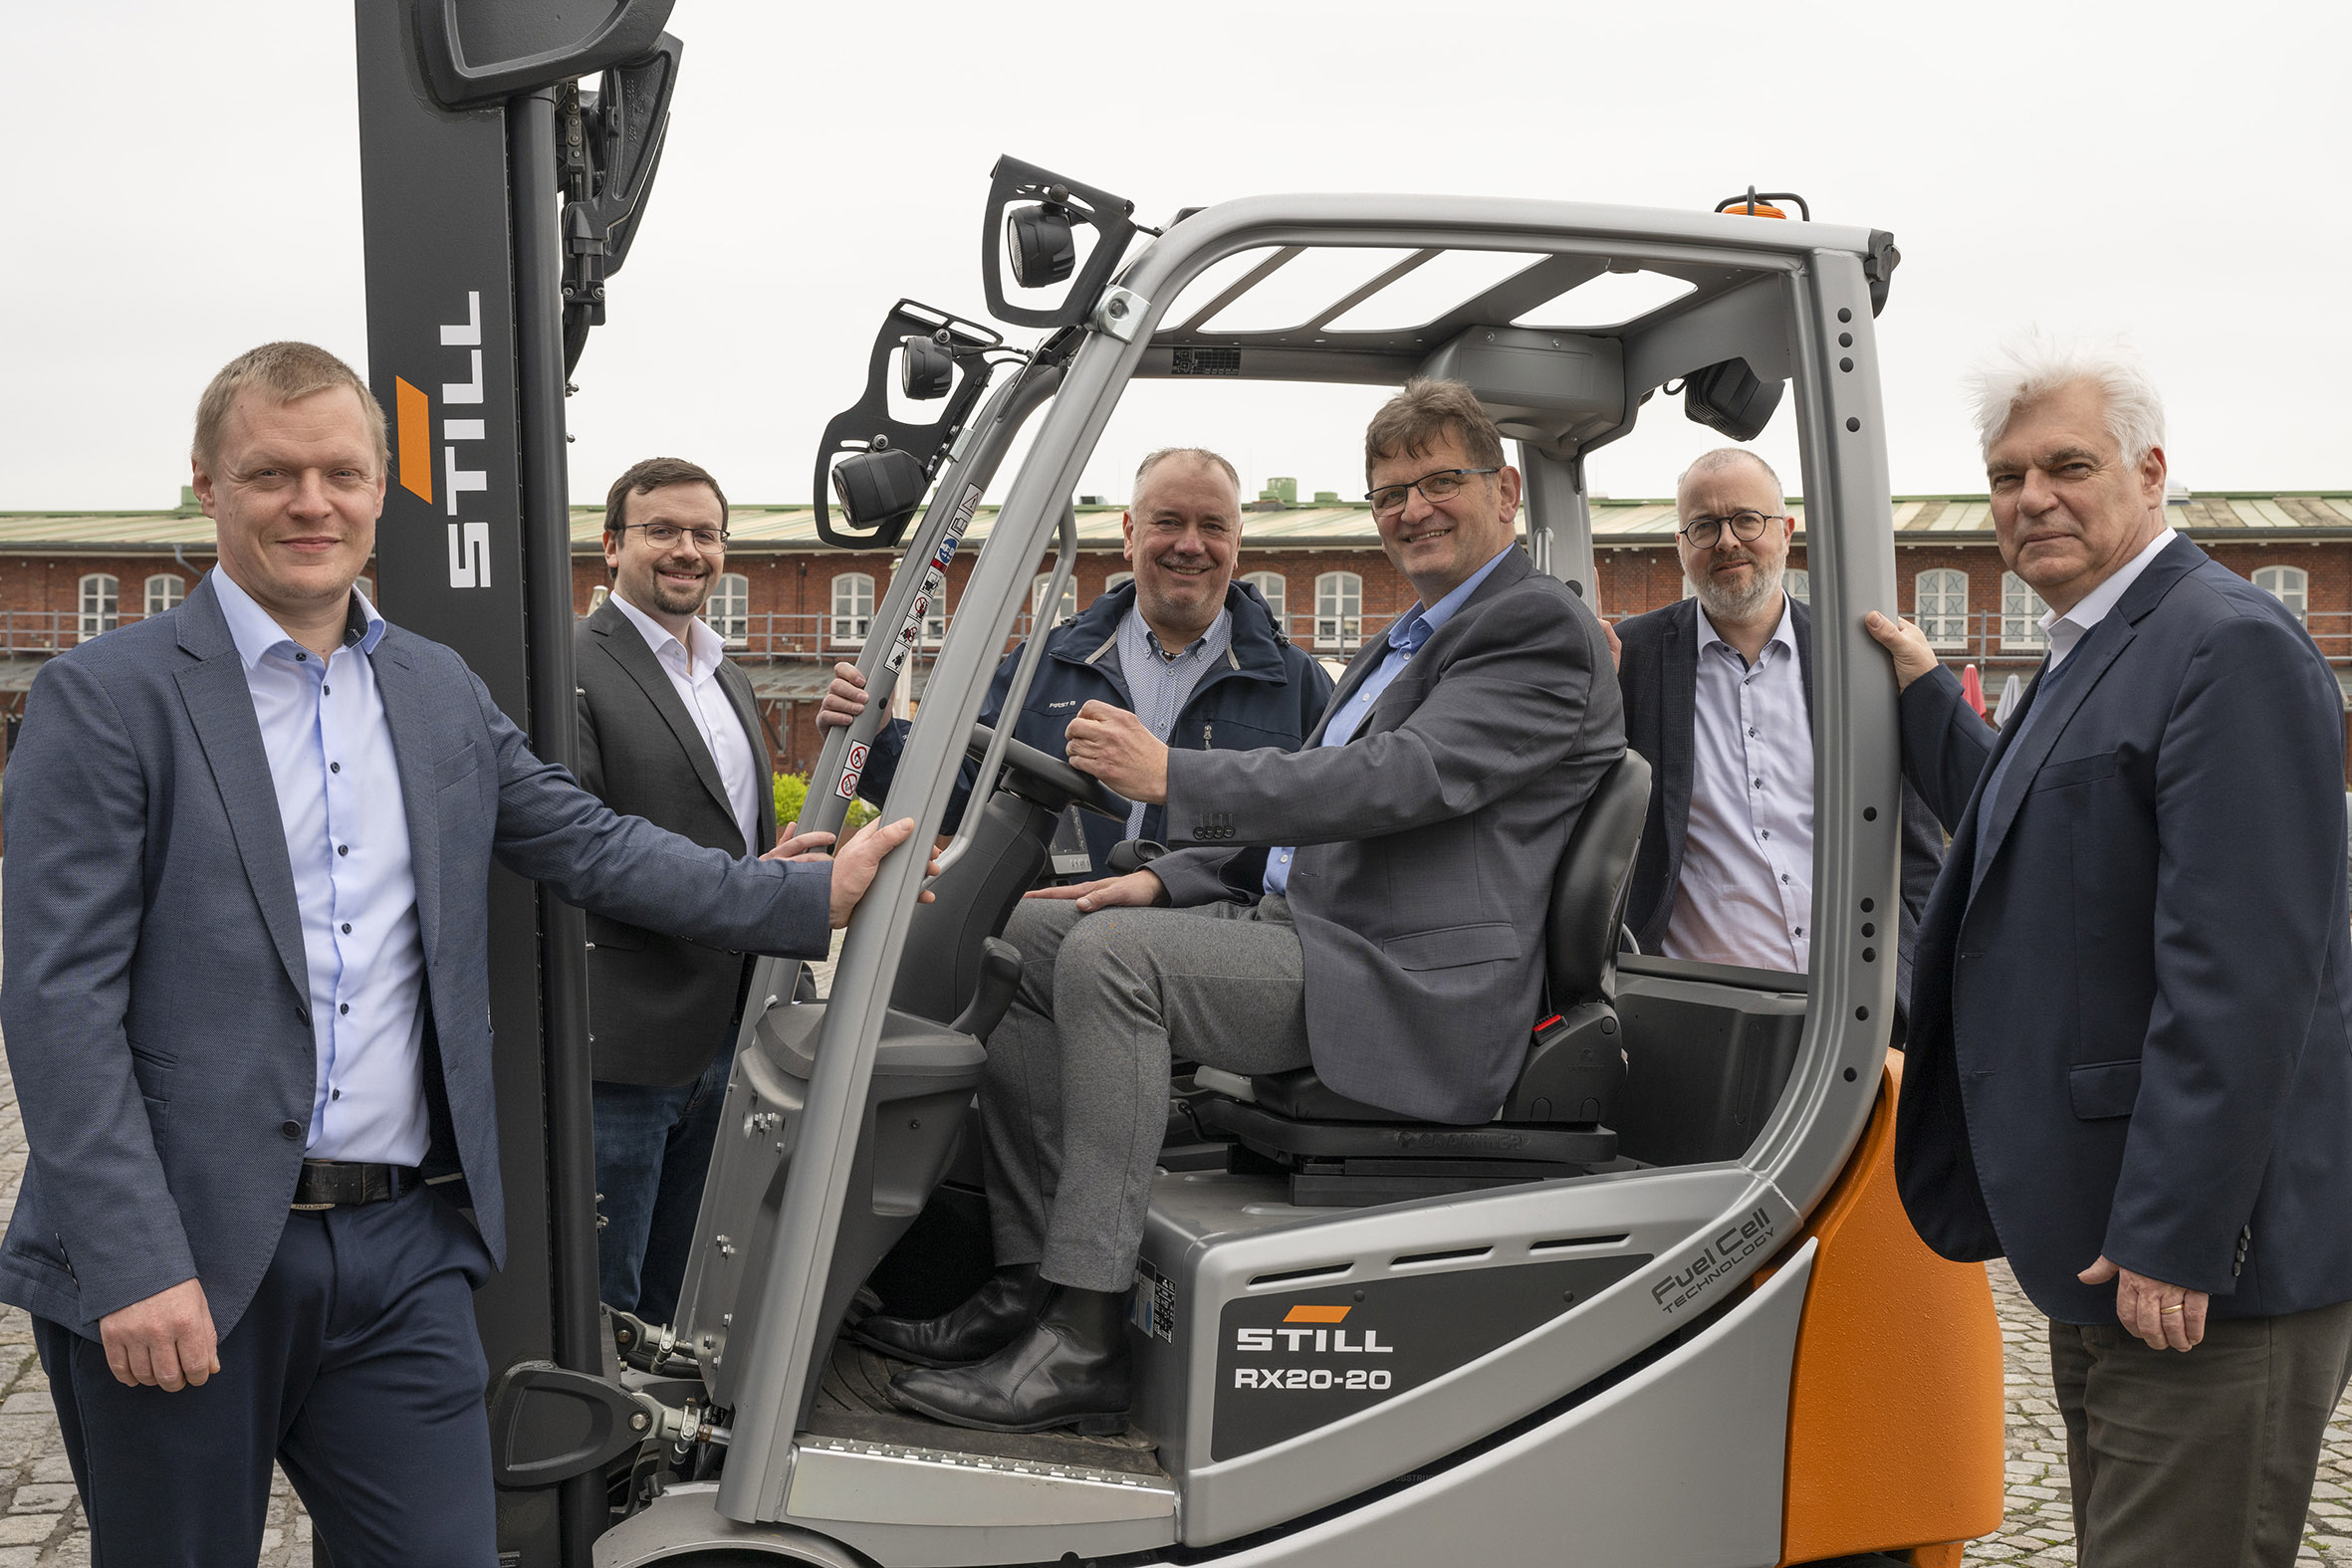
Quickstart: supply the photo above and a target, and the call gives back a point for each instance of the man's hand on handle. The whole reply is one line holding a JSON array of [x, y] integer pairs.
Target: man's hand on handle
[[792, 844], [845, 700], [861, 858], [165, 1341], [1135, 890], [1905, 643], [1113, 744], [2160, 1316]]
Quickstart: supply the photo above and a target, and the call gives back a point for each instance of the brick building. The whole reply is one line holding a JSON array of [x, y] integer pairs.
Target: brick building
[[791, 607]]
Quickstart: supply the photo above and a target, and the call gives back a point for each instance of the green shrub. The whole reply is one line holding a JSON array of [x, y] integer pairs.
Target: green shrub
[[792, 794]]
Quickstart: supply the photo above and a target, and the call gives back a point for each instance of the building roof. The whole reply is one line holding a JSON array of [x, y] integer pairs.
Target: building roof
[[1306, 525]]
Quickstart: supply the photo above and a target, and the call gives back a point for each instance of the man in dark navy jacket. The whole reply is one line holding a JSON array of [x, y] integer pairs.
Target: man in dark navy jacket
[[2130, 1063], [1192, 653], [1719, 696]]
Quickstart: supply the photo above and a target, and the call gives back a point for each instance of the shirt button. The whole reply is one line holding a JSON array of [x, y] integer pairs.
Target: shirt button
[[301, 658], [329, 690], [337, 768], [343, 849], [335, 1094], [344, 1007], [347, 925], [1760, 784], [291, 1129], [1783, 878], [1767, 832]]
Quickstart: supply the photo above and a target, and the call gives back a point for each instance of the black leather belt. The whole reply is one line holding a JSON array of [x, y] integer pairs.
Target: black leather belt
[[337, 1184]]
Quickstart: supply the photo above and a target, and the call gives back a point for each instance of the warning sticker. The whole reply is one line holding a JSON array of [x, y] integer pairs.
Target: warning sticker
[[852, 767], [1155, 1310]]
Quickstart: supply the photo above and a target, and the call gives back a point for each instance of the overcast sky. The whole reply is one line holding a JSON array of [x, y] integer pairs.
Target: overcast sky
[[187, 185]]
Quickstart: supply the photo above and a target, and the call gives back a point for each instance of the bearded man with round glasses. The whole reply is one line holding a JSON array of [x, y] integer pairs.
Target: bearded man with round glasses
[[1719, 695]]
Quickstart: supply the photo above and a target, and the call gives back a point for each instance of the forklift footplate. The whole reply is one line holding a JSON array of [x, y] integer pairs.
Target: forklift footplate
[[854, 1403]]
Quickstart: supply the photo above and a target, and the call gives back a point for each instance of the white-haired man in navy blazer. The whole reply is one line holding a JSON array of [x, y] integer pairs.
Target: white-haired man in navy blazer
[[2131, 1011]]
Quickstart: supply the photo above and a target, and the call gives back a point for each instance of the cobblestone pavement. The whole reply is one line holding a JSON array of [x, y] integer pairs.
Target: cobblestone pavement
[[41, 1520]]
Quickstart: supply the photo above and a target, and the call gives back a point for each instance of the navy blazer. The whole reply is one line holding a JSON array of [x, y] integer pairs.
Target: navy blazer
[[158, 999], [1659, 675], [2135, 1038]]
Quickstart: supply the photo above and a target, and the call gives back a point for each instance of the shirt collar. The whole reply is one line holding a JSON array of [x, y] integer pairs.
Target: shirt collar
[[1783, 634], [707, 649], [1219, 633], [1434, 619], [257, 635], [2069, 630]]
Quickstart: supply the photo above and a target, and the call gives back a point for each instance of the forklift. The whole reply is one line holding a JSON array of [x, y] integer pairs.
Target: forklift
[[1665, 1309]]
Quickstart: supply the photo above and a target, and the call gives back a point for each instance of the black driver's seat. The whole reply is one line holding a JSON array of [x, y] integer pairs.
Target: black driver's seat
[[1339, 1151]]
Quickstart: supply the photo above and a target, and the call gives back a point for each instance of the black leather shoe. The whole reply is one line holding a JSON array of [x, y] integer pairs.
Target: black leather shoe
[[995, 1316], [1070, 1370]]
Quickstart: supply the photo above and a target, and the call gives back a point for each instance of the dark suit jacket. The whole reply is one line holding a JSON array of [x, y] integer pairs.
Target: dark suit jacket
[[2133, 1038], [660, 1007], [1660, 679], [157, 998], [1427, 843]]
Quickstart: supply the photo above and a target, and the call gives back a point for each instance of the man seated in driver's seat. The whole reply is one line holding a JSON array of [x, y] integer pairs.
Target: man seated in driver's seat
[[1198, 656], [1372, 903]]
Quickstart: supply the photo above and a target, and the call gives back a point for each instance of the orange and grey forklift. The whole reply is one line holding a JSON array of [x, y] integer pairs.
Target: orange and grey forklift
[[1664, 1309]]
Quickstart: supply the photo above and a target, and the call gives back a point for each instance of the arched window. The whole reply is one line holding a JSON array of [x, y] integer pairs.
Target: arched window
[[730, 608], [853, 607], [1798, 584], [1069, 606], [1940, 603], [101, 604], [2291, 584], [1117, 580], [163, 592], [2021, 610], [1274, 588], [1338, 609]]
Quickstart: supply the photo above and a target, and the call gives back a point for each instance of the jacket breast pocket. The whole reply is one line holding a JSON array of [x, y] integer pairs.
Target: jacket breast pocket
[[1448, 946], [2101, 1089], [2074, 770]]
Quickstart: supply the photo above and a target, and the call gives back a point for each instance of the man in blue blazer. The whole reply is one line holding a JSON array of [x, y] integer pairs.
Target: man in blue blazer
[[2130, 1056], [246, 1011]]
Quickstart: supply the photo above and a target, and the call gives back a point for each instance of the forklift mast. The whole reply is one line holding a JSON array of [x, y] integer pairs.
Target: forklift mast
[[498, 197]]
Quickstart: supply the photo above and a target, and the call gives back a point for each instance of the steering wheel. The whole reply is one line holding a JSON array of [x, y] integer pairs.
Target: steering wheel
[[1050, 782]]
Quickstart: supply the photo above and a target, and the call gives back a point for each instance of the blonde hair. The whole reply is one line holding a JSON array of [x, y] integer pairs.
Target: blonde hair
[[287, 373]]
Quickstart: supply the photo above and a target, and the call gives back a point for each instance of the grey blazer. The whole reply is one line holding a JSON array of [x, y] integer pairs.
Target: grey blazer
[[156, 1005], [658, 1006], [1427, 843]]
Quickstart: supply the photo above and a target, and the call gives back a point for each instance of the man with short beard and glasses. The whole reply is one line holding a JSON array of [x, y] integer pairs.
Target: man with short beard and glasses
[[1719, 693], [669, 731]]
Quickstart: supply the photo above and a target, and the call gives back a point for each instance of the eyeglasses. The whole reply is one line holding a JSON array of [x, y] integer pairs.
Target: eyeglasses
[[1745, 527], [1444, 485], [664, 534]]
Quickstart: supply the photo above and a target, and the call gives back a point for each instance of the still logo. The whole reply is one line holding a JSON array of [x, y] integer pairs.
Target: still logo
[[469, 543]]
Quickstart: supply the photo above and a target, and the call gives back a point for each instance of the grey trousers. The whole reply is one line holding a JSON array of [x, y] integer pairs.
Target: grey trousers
[[1074, 1099], [2203, 1458]]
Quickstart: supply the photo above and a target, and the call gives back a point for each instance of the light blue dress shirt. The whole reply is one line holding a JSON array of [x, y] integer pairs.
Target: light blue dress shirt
[[1406, 634], [340, 803], [1161, 685]]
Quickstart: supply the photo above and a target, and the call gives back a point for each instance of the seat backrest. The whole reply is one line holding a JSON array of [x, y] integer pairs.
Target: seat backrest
[[1589, 890]]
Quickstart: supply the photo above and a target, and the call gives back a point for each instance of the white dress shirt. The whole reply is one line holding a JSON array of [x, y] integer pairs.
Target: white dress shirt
[[1746, 891], [694, 675], [341, 805], [2067, 630]]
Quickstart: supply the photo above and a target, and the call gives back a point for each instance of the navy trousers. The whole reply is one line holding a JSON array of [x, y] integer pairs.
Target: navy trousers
[[653, 1152], [358, 1368]]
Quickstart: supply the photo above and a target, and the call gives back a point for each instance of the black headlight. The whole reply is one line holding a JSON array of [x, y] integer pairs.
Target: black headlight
[[1042, 250]]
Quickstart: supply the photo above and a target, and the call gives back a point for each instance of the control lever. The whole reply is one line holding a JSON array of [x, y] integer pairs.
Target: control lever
[[1133, 855], [1000, 977]]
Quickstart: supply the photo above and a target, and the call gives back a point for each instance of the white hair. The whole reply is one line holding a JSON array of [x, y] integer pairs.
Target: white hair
[[1724, 457], [2029, 367]]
